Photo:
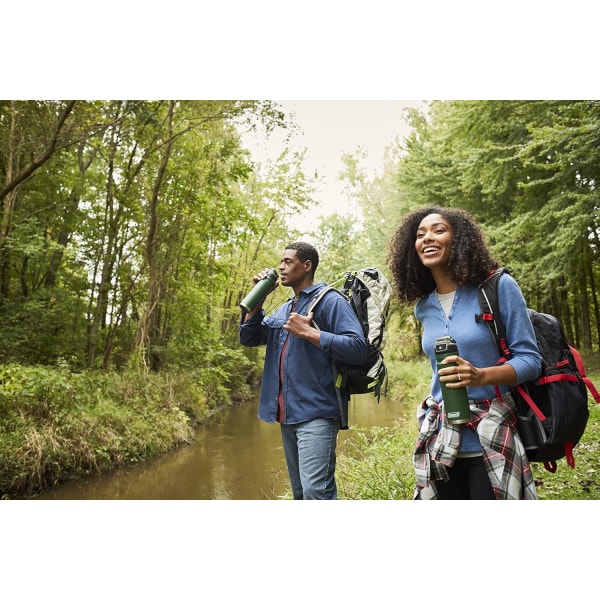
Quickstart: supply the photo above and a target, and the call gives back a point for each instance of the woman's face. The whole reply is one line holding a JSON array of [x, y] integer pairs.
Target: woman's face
[[434, 241]]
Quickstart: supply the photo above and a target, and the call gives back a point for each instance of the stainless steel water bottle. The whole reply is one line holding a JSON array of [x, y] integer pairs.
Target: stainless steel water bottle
[[456, 401], [259, 292]]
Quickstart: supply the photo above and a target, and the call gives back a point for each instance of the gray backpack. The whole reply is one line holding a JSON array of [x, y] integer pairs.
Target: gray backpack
[[368, 291]]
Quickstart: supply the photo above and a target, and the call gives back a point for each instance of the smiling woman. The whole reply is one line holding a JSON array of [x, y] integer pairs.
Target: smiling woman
[[438, 252]]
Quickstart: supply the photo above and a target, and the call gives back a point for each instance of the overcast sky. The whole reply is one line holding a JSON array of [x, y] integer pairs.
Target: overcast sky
[[328, 128]]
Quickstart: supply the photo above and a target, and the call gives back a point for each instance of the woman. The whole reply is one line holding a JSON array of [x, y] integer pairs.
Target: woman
[[438, 258]]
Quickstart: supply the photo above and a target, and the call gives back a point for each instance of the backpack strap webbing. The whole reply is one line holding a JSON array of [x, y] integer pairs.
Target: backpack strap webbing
[[338, 378], [328, 288], [581, 368], [339, 382], [490, 311], [490, 315]]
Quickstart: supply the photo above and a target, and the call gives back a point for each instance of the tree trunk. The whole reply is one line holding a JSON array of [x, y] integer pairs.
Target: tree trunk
[[150, 337]]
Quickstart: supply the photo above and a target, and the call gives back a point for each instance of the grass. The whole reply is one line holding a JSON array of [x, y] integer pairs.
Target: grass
[[56, 425], [581, 482]]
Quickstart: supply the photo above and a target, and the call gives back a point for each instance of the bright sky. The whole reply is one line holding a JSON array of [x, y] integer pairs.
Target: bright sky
[[329, 128]]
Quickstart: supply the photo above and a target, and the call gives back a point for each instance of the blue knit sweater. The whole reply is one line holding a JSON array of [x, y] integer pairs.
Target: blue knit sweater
[[475, 342]]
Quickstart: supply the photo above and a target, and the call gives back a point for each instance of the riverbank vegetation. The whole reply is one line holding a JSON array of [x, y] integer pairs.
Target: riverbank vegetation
[[130, 230], [59, 425]]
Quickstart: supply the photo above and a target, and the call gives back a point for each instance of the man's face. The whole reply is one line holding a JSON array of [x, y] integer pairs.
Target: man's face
[[291, 269]]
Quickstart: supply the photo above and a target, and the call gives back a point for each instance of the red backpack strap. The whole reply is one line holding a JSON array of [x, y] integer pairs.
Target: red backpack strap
[[569, 454], [490, 315], [487, 295], [581, 368], [550, 465], [534, 407]]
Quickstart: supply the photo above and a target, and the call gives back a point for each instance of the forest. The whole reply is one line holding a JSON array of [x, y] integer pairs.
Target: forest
[[130, 231]]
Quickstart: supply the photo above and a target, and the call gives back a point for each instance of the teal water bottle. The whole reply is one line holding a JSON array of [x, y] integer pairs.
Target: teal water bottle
[[456, 401], [260, 291]]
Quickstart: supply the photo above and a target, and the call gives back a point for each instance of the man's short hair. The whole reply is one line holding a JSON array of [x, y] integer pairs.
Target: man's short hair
[[305, 251]]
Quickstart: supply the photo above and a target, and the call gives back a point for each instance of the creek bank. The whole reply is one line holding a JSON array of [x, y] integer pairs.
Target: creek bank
[[59, 426]]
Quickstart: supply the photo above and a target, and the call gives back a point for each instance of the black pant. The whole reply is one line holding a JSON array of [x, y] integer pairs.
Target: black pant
[[468, 481]]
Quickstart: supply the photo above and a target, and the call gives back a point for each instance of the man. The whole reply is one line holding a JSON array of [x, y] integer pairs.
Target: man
[[298, 389]]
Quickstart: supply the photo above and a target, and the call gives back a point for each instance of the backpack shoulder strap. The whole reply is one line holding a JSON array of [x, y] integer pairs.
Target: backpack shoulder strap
[[581, 368], [328, 288], [338, 378], [490, 310], [490, 314], [332, 286]]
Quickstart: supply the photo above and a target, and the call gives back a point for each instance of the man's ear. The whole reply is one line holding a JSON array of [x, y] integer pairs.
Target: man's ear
[[308, 265]]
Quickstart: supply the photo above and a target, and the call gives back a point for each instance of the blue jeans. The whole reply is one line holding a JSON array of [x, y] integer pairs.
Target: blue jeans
[[309, 450]]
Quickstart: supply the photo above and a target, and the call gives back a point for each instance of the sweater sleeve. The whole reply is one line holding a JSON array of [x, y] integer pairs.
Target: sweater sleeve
[[520, 336]]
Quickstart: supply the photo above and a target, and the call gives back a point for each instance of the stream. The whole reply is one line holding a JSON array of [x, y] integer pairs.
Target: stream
[[233, 457]]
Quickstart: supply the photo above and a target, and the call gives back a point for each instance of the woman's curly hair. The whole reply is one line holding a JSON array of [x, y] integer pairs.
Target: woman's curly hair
[[470, 260]]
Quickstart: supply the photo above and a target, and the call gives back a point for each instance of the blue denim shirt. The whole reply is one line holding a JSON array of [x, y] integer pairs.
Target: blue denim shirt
[[308, 386]]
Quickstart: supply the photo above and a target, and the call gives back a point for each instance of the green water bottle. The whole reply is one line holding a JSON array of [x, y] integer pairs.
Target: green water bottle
[[260, 291], [456, 401]]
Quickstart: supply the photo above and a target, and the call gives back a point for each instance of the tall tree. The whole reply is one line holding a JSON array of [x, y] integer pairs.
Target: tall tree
[[527, 171]]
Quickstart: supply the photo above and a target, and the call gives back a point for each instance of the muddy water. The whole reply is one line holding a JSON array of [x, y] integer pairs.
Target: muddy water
[[234, 457]]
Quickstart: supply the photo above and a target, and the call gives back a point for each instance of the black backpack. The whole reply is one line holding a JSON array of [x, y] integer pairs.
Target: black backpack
[[552, 410], [368, 292]]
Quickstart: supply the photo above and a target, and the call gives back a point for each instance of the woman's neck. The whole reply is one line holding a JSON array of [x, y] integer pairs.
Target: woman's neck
[[443, 283]]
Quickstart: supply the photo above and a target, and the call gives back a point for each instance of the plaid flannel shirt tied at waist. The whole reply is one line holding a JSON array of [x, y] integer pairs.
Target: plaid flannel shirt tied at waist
[[503, 451]]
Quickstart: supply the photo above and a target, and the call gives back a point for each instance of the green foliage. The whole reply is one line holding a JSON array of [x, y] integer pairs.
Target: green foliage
[[134, 217], [379, 201], [339, 247], [56, 425], [527, 170], [130, 231], [43, 329]]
